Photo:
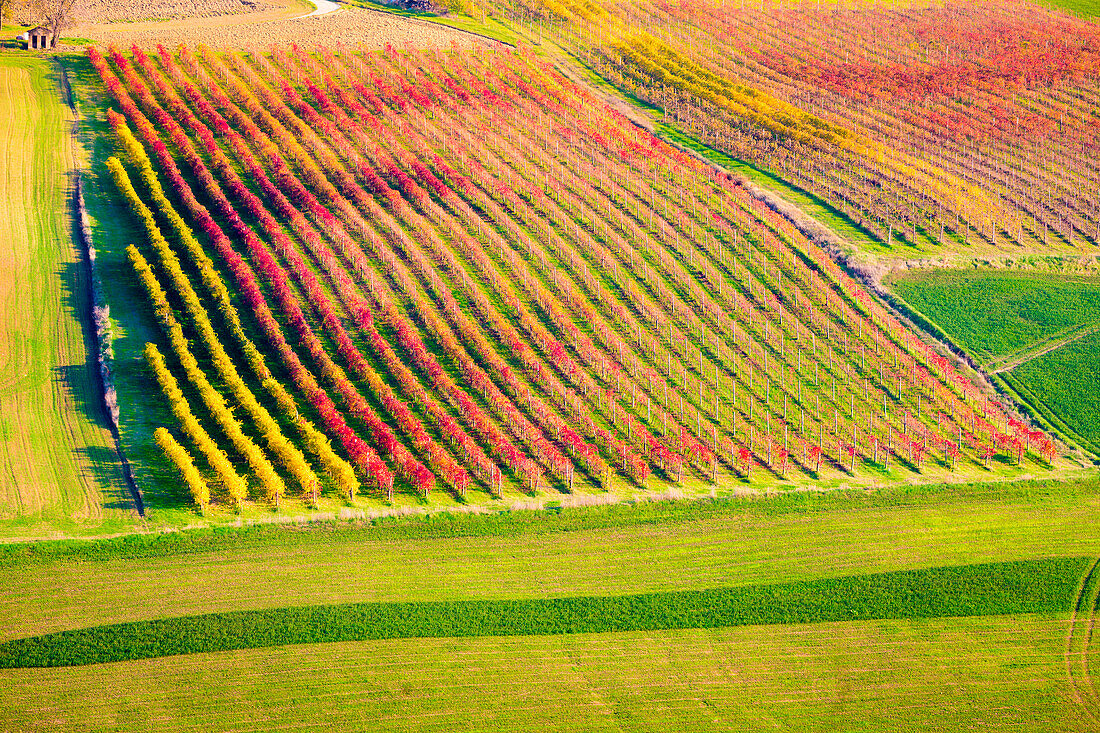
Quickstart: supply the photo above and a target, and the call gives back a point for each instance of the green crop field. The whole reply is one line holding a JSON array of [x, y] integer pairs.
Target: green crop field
[[57, 467], [1030, 586], [1066, 382], [1034, 331], [993, 313], [999, 671], [987, 673]]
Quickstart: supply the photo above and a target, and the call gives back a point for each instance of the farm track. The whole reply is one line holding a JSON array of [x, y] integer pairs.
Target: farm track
[[321, 7], [1008, 362], [1078, 640]]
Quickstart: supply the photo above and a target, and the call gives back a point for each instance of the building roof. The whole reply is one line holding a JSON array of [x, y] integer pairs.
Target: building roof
[[39, 31]]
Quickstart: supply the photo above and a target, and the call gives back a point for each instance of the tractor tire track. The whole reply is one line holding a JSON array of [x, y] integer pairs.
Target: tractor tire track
[[1051, 343], [1082, 624]]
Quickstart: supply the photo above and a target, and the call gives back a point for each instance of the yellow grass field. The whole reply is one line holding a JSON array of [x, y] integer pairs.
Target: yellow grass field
[[57, 466]]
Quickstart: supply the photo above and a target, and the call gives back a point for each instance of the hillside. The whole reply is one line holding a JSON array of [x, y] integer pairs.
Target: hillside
[[465, 273], [551, 365], [962, 130]]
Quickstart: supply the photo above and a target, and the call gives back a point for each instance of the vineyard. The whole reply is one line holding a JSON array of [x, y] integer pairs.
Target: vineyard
[[551, 365], [947, 127], [457, 271]]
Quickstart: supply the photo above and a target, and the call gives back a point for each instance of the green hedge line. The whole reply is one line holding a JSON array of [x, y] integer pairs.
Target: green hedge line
[[1033, 586]]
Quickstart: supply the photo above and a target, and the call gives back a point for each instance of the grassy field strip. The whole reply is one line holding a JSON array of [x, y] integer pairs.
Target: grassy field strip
[[1007, 362], [1032, 586], [715, 552], [55, 460], [807, 202], [983, 673]]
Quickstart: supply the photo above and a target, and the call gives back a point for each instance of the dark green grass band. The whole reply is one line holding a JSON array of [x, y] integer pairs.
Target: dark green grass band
[[1032, 586]]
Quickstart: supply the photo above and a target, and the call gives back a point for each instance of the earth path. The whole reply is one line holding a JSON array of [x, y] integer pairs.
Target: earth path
[[1045, 345], [321, 7]]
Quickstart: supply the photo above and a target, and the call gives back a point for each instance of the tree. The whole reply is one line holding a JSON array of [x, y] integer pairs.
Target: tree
[[987, 452], [814, 455], [56, 16], [19, 10]]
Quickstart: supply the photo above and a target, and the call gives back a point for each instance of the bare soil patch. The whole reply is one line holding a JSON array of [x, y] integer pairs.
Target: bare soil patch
[[283, 24], [126, 11]]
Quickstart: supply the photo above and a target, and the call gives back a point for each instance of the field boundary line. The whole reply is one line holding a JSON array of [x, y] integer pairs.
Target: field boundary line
[[1045, 345], [1082, 623]]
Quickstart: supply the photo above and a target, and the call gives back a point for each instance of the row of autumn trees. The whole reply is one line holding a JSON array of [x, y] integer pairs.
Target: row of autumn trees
[[464, 272], [955, 125]]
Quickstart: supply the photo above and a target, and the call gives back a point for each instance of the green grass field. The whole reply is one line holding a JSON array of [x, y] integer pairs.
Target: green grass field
[[990, 313], [1066, 381], [721, 545], [1037, 331], [1084, 8], [991, 672], [58, 471], [1048, 585], [988, 673]]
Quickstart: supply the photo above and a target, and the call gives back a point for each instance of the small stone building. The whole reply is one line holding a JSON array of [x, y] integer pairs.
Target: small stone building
[[38, 38]]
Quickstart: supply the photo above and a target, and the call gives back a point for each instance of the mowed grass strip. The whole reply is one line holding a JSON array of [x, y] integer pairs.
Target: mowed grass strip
[[989, 673], [1034, 586], [57, 465], [665, 546]]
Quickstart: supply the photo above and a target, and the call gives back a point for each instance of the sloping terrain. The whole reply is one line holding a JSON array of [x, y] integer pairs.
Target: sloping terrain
[[463, 269]]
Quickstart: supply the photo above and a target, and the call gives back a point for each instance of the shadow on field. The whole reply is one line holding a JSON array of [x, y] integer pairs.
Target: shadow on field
[[107, 469]]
